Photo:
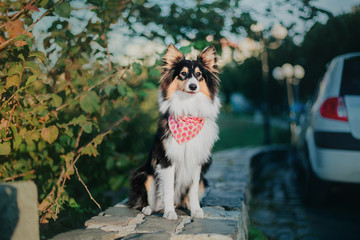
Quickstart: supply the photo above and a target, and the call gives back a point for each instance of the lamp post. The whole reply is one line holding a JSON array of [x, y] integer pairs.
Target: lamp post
[[279, 33], [292, 75]]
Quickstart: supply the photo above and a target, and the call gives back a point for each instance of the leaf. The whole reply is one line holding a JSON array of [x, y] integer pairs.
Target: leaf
[[90, 102], [5, 148], [31, 80], [34, 68], [87, 127], [50, 134], [90, 150], [15, 68], [137, 68], [24, 39], [31, 7], [63, 9], [14, 28], [98, 140], [17, 141], [109, 88], [56, 100], [121, 89], [39, 55], [13, 80], [78, 120]]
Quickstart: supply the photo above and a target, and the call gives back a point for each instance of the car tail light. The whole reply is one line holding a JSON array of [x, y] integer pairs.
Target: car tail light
[[334, 108]]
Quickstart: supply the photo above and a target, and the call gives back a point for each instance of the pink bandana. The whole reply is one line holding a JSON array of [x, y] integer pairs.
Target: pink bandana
[[185, 128]]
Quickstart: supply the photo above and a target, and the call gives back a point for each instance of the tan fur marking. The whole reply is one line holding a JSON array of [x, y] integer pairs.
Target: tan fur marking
[[172, 88], [148, 182], [185, 202], [201, 188], [208, 58], [204, 89]]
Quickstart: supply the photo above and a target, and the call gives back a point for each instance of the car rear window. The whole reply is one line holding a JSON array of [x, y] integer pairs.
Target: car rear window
[[350, 84]]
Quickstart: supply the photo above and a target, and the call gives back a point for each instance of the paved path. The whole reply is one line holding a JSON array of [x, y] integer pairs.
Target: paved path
[[224, 206], [276, 208]]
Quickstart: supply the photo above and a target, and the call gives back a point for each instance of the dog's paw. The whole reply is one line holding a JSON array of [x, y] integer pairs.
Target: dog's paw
[[171, 215], [197, 213], [147, 210]]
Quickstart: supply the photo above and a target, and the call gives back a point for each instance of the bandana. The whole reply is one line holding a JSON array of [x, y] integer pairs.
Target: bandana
[[185, 128]]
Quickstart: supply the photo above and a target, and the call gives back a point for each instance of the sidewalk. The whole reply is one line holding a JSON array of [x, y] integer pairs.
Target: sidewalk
[[224, 205]]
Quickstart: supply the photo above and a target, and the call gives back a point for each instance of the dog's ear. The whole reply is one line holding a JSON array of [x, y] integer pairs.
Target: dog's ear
[[208, 59], [171, 57]]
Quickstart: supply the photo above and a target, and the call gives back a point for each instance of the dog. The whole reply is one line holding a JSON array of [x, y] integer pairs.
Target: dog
[[173, 175]]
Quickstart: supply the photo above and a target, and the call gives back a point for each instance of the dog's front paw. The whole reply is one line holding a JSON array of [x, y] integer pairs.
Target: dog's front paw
[[197, 213], [171, 215], [147, 210]]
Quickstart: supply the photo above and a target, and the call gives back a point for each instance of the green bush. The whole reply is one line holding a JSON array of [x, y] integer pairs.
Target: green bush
[[65, 122]]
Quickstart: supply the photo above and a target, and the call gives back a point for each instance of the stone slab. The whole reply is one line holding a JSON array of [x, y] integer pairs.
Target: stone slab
[[121, 211], [156, 224], [212, 226], [148, 236], [108, 220], [85, 234], [19, 211]]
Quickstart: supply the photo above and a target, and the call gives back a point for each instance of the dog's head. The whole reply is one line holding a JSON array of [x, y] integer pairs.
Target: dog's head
[[189, 76]]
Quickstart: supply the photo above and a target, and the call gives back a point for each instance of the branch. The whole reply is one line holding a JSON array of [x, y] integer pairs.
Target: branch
[[47, 203], [91, 197], [18, 13], [46, 13], [12, 178]]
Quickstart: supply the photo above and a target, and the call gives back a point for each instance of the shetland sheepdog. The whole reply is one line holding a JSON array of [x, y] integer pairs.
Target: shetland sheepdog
[[181, 154]]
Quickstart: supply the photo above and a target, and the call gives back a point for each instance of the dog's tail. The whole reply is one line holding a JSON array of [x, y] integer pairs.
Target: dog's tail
[[138, 193]]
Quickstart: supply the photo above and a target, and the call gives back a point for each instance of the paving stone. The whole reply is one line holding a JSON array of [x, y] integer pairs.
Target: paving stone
[[85, 234], [155, 224], [149, 236], [218, 212], [108, 220], [201, 237], [212, 226], [121, 211]]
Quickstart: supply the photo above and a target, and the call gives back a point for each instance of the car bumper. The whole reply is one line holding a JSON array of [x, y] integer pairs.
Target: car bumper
[[337, 165], [336, 140]]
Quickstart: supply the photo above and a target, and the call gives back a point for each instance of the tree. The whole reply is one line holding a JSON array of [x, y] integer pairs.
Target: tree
[[323, 42]]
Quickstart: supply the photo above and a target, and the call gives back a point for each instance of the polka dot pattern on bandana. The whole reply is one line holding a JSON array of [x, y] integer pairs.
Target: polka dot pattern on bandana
[[184, 128]]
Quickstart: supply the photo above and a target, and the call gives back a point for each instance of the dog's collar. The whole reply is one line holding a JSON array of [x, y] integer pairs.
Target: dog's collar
[[185, 128]]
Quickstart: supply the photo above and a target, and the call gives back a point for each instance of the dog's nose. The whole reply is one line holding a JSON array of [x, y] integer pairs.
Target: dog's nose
[[192, 87]]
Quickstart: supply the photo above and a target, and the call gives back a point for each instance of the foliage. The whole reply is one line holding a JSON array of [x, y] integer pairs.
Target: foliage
[[323, 42], [56, 121]]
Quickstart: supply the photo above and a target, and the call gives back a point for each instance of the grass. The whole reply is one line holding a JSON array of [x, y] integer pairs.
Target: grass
[[256, 234], [241, 131]]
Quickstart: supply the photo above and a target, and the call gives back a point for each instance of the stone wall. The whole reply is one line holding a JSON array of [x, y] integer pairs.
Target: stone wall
[[19, 211], [224, 205]]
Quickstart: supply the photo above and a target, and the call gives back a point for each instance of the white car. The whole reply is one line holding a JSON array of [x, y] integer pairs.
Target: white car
[[328, 140]]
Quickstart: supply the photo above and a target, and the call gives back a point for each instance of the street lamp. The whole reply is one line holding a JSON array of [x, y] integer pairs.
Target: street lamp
[[292, 75], [279, 33]]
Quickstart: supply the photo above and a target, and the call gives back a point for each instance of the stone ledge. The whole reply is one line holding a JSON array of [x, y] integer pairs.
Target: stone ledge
[[224, 205]]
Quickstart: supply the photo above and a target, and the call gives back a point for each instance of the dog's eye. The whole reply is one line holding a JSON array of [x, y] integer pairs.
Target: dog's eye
[[198, 74], [183, 73]]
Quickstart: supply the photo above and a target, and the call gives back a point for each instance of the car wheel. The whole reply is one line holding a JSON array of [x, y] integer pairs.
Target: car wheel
[[313, 191]]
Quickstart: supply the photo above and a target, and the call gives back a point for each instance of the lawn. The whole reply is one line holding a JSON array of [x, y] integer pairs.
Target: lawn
[[238, 130]]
